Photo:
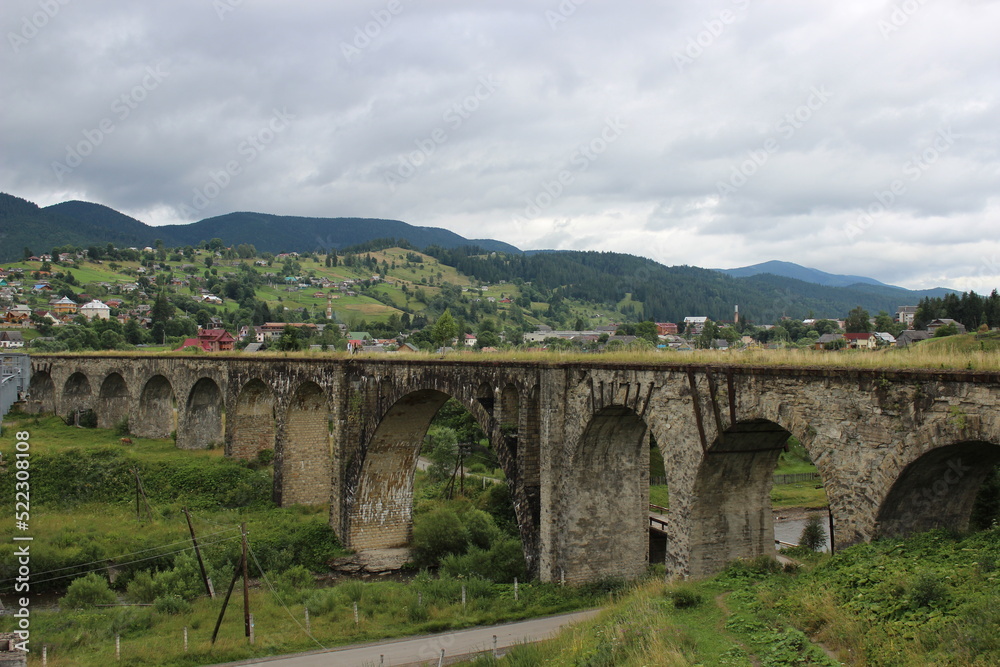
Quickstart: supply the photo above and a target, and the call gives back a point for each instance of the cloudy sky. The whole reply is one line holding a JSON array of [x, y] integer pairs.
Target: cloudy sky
[[852, 136]]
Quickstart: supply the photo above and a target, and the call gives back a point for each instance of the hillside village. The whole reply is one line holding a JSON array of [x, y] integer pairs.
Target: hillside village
[[379, 298]]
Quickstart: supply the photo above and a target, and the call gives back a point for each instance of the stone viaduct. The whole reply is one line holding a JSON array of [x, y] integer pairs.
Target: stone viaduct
[[898, 451]]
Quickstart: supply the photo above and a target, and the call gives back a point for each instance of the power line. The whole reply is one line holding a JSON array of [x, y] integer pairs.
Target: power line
[[282, 602]]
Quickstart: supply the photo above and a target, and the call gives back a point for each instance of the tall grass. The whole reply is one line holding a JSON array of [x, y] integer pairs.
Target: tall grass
[[920, 356]]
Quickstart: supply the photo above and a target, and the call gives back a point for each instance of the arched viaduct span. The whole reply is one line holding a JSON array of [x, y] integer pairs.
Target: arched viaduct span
[[898, 451]]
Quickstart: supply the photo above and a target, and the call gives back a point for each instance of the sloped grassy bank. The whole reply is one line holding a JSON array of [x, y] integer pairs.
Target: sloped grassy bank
[[932, 599]]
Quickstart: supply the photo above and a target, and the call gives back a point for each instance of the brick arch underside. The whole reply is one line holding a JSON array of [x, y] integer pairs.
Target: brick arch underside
[[252, 426], [201, 426], [156, 413], [305, 457], [731, 513], [76, 394], [112, 401], [380, 509], [937, 490], [43, 392], [607, 521]]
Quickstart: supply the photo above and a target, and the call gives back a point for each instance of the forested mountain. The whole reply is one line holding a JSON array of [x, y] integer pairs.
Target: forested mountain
[[672, 293], [277, 233], [24, 224]]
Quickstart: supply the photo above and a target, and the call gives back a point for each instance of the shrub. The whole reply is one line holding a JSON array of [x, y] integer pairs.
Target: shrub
[[87, 591], [500, 563], [685, 597], [436, 535], [926, 589], [122, 428], [481, 528], [171, 604], [813, 534], [141, 589]]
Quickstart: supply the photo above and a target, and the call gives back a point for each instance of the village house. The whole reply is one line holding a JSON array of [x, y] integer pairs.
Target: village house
[[18, 314], [11, 339], [64, 306], [693, 326], [666, 329], [211, 340], [861, 341], [95, 310], [932, 327]]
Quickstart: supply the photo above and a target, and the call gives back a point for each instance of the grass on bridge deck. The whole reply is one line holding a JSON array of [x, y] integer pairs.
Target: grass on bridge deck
[[970, 352]]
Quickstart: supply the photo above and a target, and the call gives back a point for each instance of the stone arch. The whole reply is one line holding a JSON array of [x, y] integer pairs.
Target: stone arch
[[156, 416], [112, 401], [201, 425], [937, 490], [379, 511], [305, 457], [731, 511], [252, 424], [43, 392], [76, 393], [607, 514]]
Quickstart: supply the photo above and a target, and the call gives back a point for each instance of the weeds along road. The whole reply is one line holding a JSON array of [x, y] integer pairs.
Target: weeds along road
[[427, 648]]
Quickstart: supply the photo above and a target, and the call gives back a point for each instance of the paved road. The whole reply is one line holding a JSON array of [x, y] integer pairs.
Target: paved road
[[427, 648]]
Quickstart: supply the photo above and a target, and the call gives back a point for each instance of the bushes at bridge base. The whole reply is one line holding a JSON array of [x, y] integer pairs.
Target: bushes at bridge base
[[501, 563]]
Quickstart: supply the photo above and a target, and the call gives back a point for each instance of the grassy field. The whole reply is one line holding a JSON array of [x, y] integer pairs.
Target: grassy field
[[84, 519]]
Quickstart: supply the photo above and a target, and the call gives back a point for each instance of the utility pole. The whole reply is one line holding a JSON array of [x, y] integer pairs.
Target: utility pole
[[246, 582], [197, 551]]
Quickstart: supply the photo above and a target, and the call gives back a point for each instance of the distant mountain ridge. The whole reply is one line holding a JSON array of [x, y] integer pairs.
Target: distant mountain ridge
[[799, 272], [764, 291]]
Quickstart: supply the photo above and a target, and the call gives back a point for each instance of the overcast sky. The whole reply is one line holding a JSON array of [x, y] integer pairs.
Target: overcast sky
[[853, 136]]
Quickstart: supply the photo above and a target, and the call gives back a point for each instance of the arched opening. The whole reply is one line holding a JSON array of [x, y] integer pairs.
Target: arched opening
[[305, 450], [607, 509], [112, 401], [157, 413], [659, 503], [937, 490], [202, 423], [43, 392], [76, 394], [732, 515], [380, 511], [251, 427]]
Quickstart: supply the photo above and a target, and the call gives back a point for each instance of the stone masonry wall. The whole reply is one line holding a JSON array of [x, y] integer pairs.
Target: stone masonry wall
[[897, 451]]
